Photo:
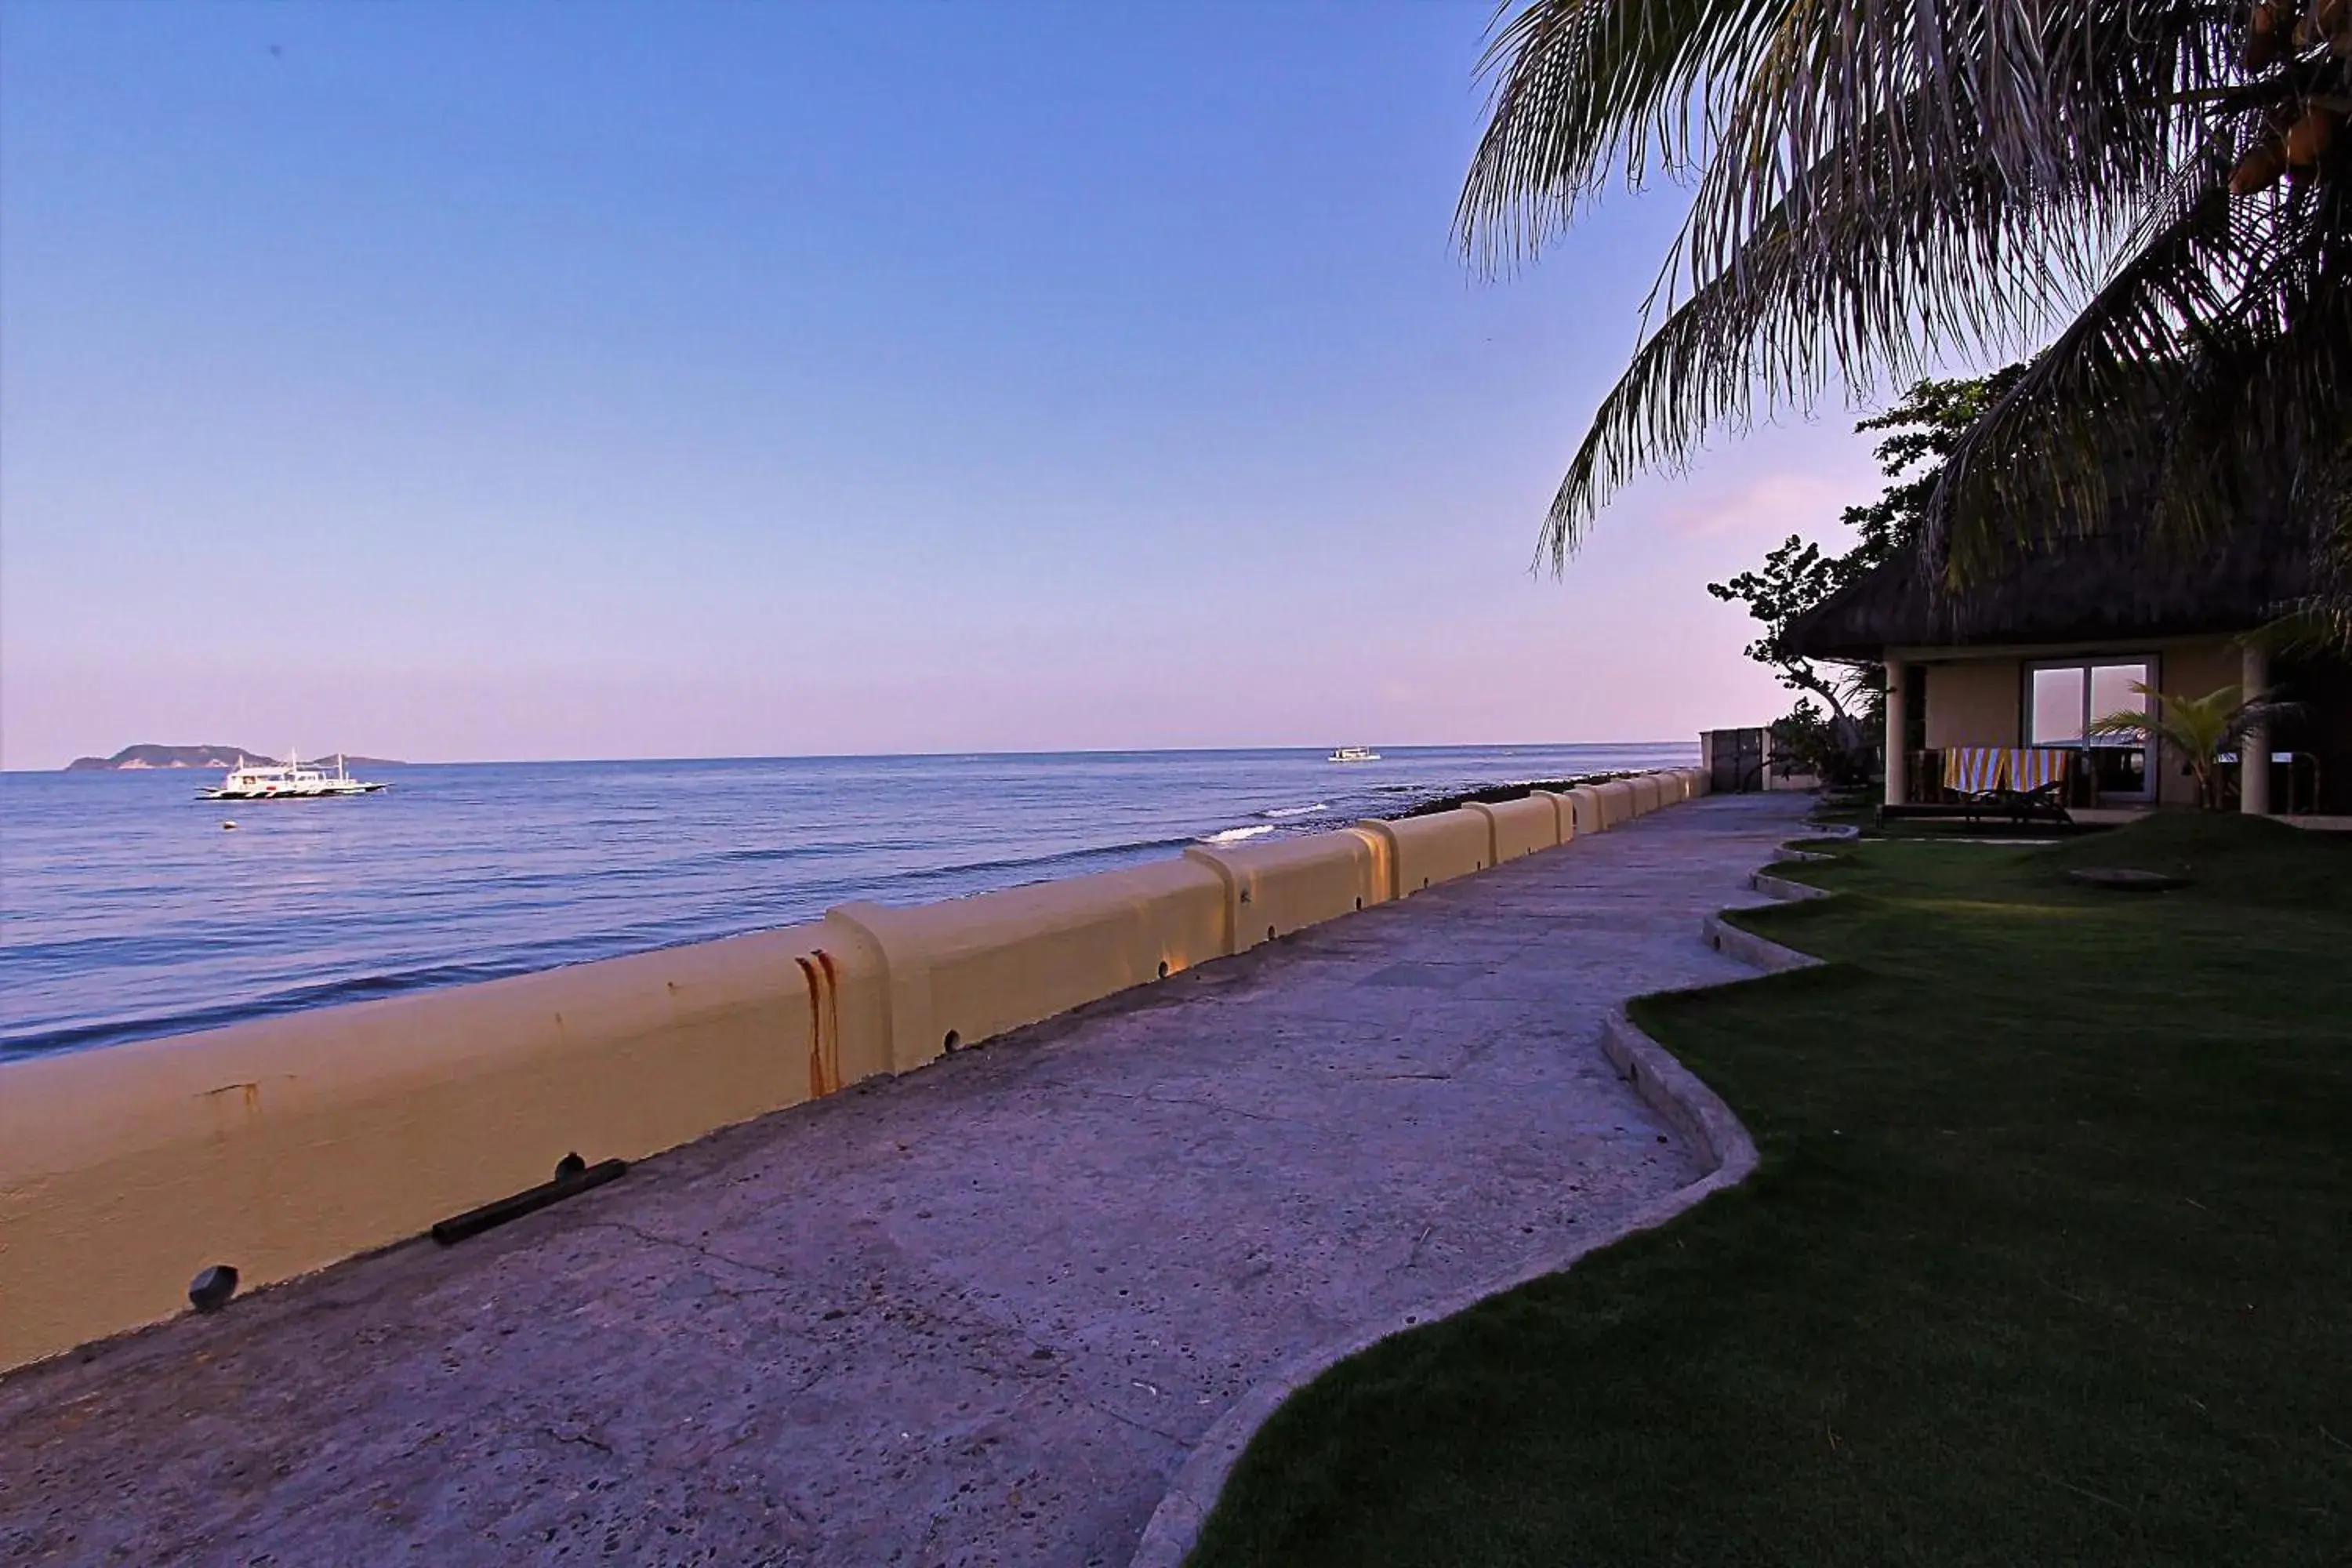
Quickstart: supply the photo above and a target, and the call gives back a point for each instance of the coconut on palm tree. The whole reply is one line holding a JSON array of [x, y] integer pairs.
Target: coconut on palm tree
[[2155, 195]]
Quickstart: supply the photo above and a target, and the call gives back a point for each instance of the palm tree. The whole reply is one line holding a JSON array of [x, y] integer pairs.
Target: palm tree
[[2200, 727], [1880, 185]]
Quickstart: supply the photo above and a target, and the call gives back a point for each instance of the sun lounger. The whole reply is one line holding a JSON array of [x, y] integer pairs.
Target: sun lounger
[[2003, 783]]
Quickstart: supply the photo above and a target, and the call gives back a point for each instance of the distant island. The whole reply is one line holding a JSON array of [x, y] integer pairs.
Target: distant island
[[134, 758]]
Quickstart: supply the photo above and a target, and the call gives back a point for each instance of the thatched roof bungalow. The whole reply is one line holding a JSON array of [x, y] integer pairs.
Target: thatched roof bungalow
[[2029, 654]]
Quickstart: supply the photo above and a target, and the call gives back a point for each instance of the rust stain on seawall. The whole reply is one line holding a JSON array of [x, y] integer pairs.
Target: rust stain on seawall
[[231, 1109], [824, 982], [249, 1094]]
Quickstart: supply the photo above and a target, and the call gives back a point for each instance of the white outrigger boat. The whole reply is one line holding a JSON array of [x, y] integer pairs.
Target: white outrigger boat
[[288, 781], [1353, 754]]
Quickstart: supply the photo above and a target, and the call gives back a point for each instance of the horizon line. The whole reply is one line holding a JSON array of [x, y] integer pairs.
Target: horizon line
[[881, 756]]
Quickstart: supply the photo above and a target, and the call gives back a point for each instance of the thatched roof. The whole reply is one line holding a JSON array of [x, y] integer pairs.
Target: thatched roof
[[2109, 588]]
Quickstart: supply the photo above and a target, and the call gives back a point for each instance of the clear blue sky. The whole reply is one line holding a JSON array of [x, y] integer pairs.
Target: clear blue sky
[[595, 380]]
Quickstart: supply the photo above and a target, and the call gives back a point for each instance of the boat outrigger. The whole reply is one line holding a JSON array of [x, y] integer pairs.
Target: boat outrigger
[[288, 781]]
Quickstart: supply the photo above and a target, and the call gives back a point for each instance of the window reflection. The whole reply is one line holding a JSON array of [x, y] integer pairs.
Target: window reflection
[[2057, 715], [2111, 689], [2061, 701]]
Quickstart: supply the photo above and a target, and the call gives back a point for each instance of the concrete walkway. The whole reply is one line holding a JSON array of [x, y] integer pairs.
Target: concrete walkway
[[977, 1315]]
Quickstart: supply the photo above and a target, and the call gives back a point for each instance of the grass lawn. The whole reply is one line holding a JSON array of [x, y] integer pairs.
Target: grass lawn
[[2050, 1260]]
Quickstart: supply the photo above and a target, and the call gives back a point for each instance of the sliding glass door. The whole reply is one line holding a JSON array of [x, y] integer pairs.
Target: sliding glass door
[[2063, 699]]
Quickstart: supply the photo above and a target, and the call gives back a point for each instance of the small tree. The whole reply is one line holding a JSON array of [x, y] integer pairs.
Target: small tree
[[2200, 727], [1795, 578], [1798, 576], [1807, 741]]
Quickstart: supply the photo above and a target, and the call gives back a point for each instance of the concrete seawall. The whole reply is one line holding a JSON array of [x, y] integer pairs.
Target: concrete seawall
[[986, 1312], [284, 1145]]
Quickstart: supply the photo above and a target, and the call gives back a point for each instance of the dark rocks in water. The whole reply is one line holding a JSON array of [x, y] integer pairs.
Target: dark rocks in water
[[1497, 794]]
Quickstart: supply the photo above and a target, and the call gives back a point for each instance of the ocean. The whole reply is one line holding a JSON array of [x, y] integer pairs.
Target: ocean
[[127, 910]]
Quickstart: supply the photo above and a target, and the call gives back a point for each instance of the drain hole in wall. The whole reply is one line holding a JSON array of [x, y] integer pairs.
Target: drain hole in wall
[[1360, 903], [1163, 969], [1269, 933], [1424, 882], [210, 1290], [953, 1040]]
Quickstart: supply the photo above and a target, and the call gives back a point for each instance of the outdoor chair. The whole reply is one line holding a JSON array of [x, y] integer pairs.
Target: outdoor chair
[[2007, 784]]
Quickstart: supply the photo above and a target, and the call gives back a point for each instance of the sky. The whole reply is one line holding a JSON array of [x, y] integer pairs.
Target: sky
[[597, 381]]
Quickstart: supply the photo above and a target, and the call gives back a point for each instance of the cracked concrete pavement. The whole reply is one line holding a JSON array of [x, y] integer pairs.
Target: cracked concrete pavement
[[976, 1315]]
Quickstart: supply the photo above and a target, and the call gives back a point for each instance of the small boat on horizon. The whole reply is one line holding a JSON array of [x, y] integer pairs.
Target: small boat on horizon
[[1353, 754], [287, 780]]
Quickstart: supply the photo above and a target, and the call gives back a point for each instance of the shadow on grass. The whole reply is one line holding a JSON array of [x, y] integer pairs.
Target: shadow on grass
[[2047, 1259]]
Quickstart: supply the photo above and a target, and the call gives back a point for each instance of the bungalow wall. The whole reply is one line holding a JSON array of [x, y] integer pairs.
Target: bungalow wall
[[1981, 703], [2192, 669]]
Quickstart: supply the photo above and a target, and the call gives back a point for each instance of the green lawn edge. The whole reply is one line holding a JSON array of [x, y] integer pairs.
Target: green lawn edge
[[2048, 1258]]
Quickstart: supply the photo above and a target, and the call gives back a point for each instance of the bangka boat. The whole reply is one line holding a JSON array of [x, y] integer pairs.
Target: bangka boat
[[287, 781], [1353, 754]]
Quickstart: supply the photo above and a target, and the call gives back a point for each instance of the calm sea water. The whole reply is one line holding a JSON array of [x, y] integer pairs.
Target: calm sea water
[[127, 911]]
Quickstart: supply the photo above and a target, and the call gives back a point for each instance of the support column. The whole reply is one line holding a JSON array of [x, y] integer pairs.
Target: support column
[[2254, 750], [1897, 726]]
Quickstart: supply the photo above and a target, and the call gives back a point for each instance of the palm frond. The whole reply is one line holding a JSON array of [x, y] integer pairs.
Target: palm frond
[[2040, 461], [1859, 103], [1799, 310], [1587, 90], [1879, 184], [1767, 97], [2204, 374]]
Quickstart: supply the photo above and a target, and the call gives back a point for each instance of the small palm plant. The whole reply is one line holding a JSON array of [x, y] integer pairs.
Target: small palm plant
[[2200, 727]]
